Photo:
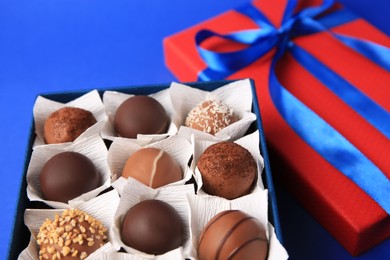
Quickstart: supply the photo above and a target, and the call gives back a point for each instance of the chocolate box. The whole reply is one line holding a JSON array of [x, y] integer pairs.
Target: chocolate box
[[21, 235]]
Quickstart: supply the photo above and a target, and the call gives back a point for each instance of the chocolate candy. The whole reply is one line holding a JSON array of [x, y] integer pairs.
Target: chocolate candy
[[210, 116], [232, 234], [66, 124], [153, 227], [73, 235], [228, 170], [140, 115], [152, 167], [68, 175]]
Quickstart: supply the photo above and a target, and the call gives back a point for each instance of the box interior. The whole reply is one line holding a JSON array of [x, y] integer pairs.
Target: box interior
[[21, 235]]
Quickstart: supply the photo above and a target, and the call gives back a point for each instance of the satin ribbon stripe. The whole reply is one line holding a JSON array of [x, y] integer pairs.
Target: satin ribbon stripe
[[351, 95], [337, 150], [316, 132]]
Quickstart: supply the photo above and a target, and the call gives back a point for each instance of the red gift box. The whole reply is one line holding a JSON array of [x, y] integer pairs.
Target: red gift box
[[356, 220]]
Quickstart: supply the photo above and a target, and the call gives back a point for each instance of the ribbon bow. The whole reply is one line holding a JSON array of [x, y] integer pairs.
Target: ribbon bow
[[337, 150]]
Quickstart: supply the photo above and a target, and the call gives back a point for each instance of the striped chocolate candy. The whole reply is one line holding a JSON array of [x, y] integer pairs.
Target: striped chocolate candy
[[233, 234]]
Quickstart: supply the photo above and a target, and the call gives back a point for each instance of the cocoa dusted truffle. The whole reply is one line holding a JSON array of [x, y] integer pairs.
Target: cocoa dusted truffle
[[66, 124], [68, 175], [73, 235], [210, 116], [232, 234], [228, 170], [153, 167], [153, 227], [140, 115]]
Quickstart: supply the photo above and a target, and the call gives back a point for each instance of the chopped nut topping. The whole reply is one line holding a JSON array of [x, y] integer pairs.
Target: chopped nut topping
[[82, 229], [68, 228], [83, 255], [57, 238], [65, 250]]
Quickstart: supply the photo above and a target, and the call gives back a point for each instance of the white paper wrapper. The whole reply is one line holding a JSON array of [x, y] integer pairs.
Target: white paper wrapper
[[133, 193], [174, 254], [204, 207], [91, 101], [101, 208], [112, 100], [237, 96], [249, 142], [122, 148], [92, 147]]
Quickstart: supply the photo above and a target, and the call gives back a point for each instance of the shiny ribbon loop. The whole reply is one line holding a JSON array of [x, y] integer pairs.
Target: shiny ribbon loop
[[337, 150]]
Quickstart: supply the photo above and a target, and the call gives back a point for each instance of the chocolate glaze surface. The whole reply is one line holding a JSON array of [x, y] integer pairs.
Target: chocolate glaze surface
[[153, 227], [152, 167], [233, 234], [140, 115], [68, 175]]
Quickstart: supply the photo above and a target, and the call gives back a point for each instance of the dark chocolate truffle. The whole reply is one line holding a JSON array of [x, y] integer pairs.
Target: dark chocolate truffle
[[152, 167], [140, 115], [232, 234], [228, 170], [66, 124], [73, 235], [153, 227], [68, 175], [210, 116]]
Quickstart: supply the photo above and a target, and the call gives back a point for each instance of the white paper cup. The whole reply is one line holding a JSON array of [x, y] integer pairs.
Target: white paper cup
[[101, 208], [113, 99], [91, 101], [133, 193], [237, 96], [92, 147], [122, 148]]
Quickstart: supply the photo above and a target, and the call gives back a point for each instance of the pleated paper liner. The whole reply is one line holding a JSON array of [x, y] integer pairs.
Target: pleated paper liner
[[122, 148], [135, 192], [92, 147], [101, 208], [113, 99], [237, 96], [90, 101]]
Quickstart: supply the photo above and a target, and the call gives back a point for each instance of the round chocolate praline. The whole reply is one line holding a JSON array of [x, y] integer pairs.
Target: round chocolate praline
[[234, 235], [67, 175], [228, 170], [140, 115], [72, 235], [153, 167], [66, 124], [153, 227], [210, 116]]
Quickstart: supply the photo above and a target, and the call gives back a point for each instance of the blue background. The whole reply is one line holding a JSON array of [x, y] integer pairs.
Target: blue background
[[63, 45]]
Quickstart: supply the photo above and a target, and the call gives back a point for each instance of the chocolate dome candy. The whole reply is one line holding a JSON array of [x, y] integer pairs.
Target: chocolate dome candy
[[140, 115], [232, 234], [210, 116], [152, 167], [153, 227], [73, 235], [68, 175], [66, 124], [228, 170]]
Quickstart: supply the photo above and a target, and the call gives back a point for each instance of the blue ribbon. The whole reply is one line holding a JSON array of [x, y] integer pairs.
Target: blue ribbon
[[316, 132]]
